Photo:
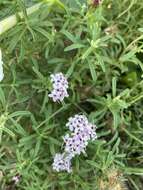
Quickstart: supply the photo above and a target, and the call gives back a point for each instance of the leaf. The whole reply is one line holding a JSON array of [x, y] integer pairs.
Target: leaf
[[2, 98], [74, 46], [70, 70], [16, 39], [54, 141], [132, 136], [19, 113], [94, 164], [69, 36], [27, 140], [101, 62], [8, 131], [116, 119], [18, 128], [40, 76], [56, 60], [44, 102], [92, 71], [140, 29], [127, 56], [135, 171], [44, 33], [87, 53], [114, 81], [37, 147]]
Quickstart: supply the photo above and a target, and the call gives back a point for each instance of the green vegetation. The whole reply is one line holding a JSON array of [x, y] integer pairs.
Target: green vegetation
[[100, 50]]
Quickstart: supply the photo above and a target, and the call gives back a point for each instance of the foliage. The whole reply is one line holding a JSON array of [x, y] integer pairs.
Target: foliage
[[100, 50]]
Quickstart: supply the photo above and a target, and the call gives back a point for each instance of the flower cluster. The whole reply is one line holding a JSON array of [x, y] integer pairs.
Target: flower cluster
[[82, 131], [60, 86], [1, 67], [62, 162]]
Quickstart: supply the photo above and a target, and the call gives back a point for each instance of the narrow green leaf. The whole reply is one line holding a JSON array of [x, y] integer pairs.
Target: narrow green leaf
[[2, 98], [74, 46], [92, 70], [69, 36], [114, 81], [19, 113]]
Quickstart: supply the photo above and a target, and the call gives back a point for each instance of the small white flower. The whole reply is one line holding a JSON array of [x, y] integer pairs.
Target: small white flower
[[1, 67], [16, 179]]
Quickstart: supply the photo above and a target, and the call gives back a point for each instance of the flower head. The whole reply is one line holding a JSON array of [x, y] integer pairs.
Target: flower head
[[79, 124], [75, 145], [60, 86], [62, 162], [81, 132]]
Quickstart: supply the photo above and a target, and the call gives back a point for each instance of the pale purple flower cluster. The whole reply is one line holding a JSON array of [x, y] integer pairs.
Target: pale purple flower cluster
[[60, 86], [62, 162], [74, 144], [82, 131]]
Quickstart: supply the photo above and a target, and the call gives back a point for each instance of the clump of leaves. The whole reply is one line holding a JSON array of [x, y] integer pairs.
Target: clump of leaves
[[99, 49]]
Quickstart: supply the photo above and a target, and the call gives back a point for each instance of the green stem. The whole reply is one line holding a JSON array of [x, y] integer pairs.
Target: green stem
[[11, 21], [132, 136], [136, 98]]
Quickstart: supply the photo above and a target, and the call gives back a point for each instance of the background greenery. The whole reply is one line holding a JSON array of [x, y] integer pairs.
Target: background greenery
[[100, 49]]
